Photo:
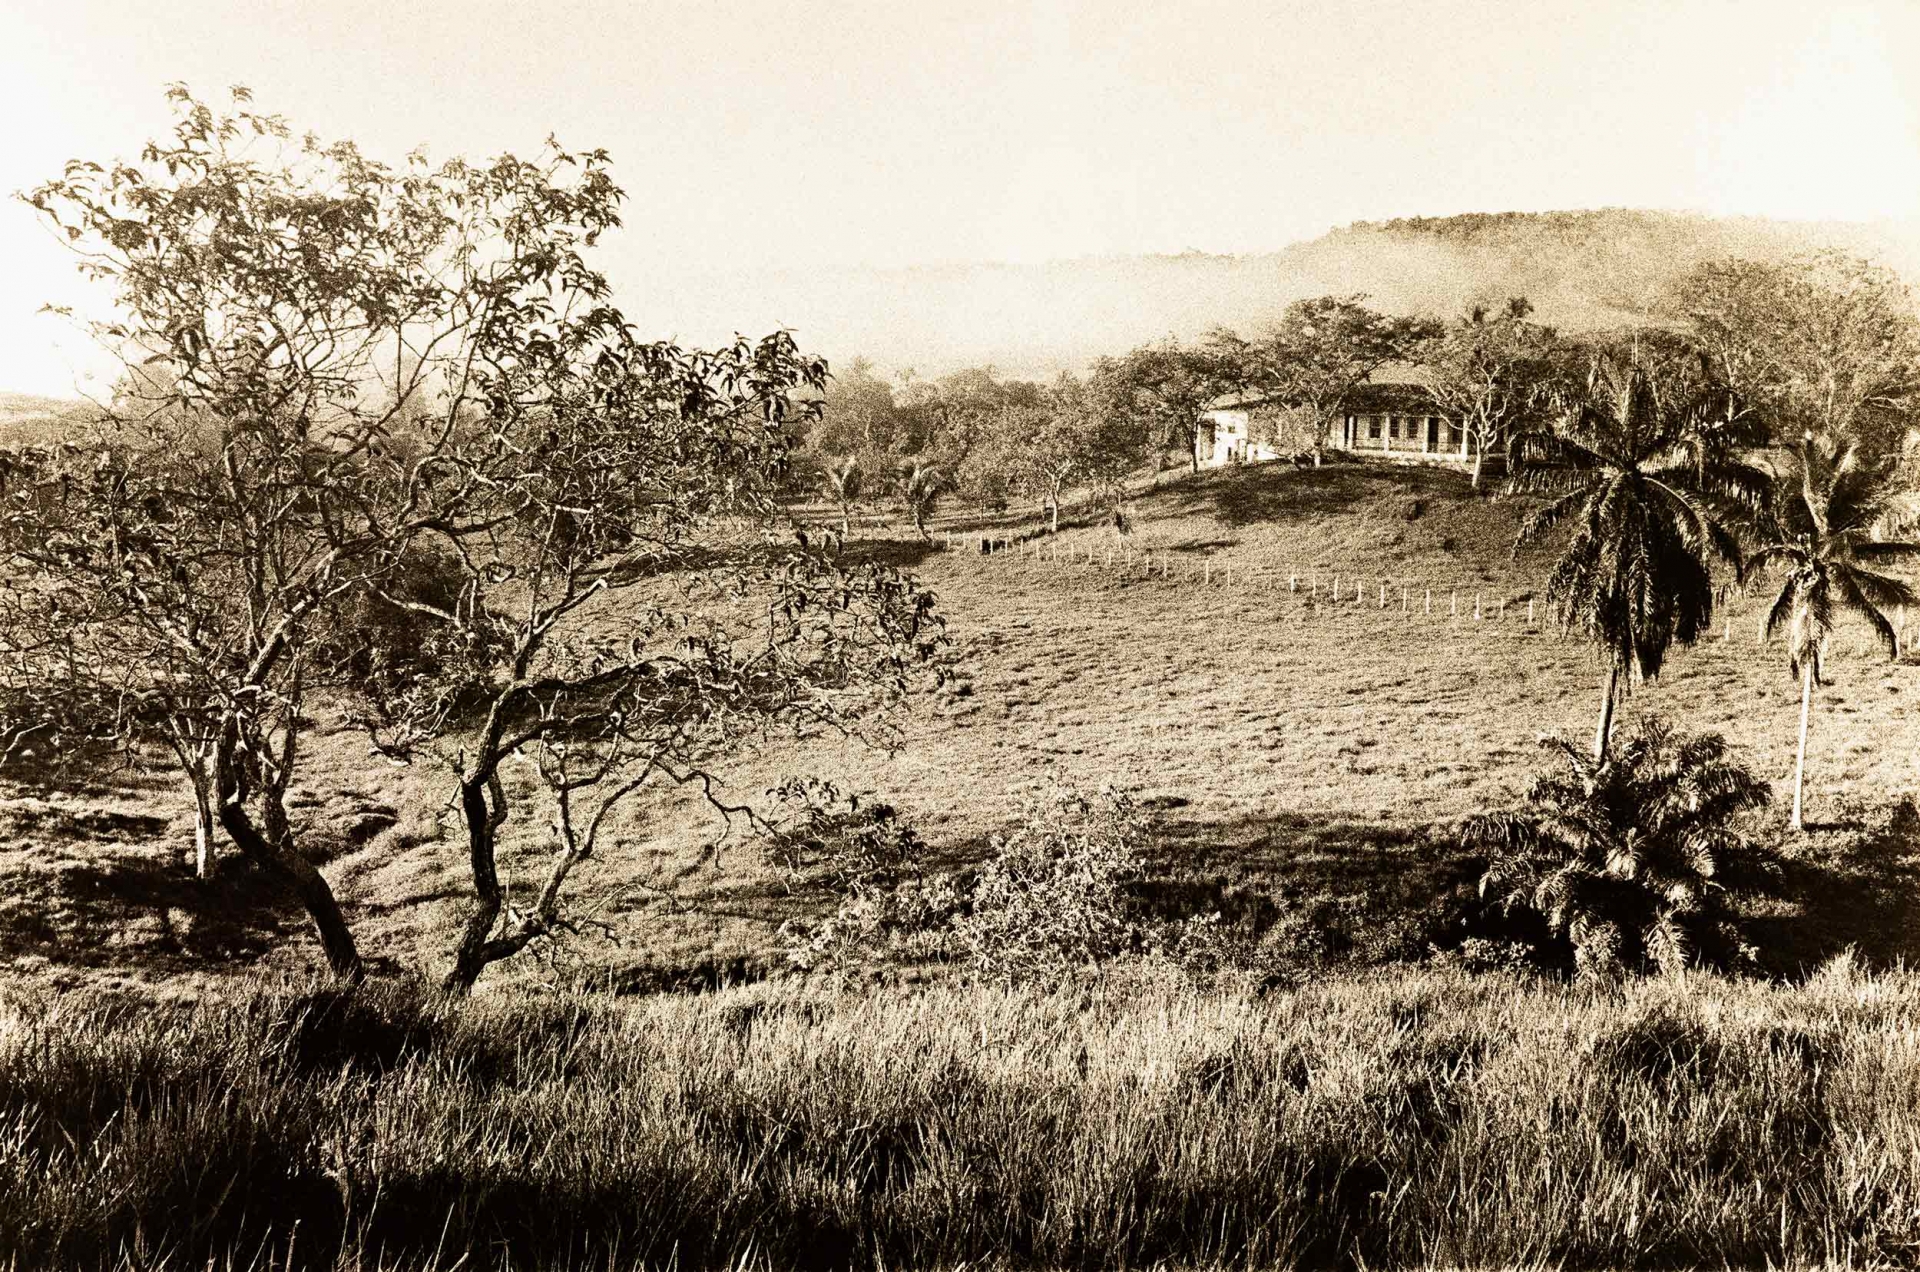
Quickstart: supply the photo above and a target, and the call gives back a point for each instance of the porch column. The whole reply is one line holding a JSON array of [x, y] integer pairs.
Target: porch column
[[1464, 434], [1386, 435]]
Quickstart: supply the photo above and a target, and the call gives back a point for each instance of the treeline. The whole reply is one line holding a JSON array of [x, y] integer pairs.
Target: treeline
[[1823, 343]]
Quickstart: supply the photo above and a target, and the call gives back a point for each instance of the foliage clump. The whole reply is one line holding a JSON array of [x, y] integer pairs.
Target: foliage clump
[[1631, 859], [1054, 895]]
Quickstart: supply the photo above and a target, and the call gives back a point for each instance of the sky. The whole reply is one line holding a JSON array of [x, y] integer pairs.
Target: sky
[[824, 136]]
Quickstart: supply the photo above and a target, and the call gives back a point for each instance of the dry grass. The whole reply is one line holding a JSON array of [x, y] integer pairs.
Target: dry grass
[[1409, 1119], [1302, 751]]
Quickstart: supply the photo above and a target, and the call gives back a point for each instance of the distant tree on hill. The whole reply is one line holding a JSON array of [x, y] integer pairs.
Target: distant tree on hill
[[1318, 353], [1634, 578], [1491, 372], [858, 413], [1822, 534], [1164, 388], [844, 479], [1824, 343], [923, 483]]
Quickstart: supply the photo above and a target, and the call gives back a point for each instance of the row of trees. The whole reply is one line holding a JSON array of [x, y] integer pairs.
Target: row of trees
[[386, 449]]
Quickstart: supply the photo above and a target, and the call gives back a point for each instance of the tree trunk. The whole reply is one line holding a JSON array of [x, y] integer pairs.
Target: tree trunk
[[302, 878], [1053, 515], [1479, 456], [1193, 451], [284, 864], [1603, 736], [846, 523], [202, 820], [477, 947], [1800, 759]]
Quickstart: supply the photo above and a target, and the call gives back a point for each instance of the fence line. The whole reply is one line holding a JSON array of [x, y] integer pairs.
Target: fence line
[[1325, 589]]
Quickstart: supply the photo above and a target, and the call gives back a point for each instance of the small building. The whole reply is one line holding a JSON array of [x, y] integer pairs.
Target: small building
[[1226, 433]]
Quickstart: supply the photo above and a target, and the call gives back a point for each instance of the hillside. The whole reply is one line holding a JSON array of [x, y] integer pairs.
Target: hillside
[[1582, 270], [1308, 757]]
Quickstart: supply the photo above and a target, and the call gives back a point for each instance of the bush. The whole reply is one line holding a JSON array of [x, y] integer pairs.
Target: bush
[[1054, 895], [839, 841], [1631, 861]]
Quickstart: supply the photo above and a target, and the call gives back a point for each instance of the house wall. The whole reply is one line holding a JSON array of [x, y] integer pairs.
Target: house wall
[[1422, 438], [1224, 435]]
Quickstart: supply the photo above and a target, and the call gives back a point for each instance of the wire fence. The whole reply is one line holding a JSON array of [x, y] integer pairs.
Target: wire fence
[[1320, 589]]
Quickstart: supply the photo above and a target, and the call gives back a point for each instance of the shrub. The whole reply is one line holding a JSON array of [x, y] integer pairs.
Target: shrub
[[1631, 859], [838, 840], [1054, 895]]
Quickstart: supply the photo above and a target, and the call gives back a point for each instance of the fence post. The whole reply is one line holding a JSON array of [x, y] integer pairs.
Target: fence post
[[1383, 596], [1429, 601], [1293, 582], [1529, 611], [1404, 607]]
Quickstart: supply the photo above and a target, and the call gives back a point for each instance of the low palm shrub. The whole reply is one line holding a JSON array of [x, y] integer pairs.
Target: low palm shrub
[[1631, 859]]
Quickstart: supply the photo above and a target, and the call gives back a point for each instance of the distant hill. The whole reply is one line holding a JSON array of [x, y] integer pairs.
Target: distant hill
[[27, 417], [1581, 269]]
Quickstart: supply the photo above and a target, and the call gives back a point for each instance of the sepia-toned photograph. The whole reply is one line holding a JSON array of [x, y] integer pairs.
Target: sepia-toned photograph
[[753, 636]]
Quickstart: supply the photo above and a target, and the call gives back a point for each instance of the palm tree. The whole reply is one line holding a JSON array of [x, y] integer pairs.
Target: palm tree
[[1647, 512], [921, 486], [843, 482], [1627, 858], [1823, 524]]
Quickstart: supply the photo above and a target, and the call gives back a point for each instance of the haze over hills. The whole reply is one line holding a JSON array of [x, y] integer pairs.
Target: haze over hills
[[1582, 270]]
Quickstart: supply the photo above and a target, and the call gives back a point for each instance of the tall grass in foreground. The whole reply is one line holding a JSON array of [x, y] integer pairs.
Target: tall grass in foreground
[[1420, 1117]]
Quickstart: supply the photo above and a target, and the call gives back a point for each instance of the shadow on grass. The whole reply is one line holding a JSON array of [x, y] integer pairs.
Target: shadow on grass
[[1279, 492], [1853, 883], [1375, 892]]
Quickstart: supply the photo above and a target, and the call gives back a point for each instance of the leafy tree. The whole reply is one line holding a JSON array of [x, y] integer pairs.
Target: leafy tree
[[1634, 576], [1318, 353], [1163, 388], [858, 413], [1823, 521], [364, 387], [844, 479], [1826, 343], [1490, 372], [1630, 857], [281, 308]]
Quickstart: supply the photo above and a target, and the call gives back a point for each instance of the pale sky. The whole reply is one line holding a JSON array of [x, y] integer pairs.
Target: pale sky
[[808, 135]]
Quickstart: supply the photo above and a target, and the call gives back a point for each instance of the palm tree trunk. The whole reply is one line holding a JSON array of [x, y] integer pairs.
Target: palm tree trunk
[[1800, 760], [1604, 734]]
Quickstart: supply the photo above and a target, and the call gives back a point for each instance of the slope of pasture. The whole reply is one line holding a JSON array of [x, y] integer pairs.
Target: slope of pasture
[[1301, 751]]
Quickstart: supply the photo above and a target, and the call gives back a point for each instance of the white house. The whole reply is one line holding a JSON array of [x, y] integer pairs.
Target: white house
[[1226, 433]]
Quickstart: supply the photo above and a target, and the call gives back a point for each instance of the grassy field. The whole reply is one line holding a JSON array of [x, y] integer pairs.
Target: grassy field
[[1411, 1118], [1301, 752]]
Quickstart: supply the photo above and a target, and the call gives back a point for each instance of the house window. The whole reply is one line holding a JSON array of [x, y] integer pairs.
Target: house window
[[1453, 432], [1373, 428], [1393, 426]]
